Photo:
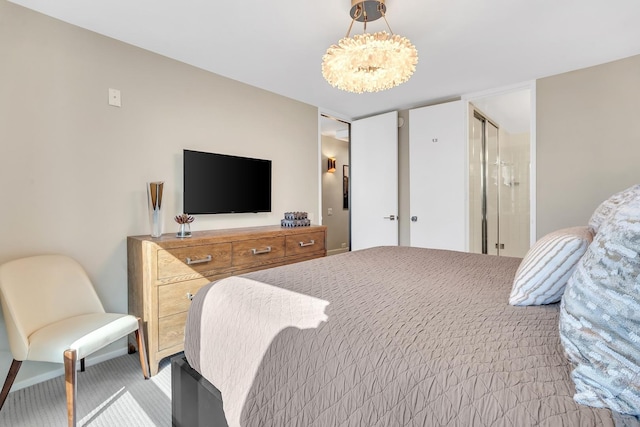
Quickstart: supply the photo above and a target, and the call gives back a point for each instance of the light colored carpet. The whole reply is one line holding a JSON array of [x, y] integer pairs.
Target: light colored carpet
[[112, 393]]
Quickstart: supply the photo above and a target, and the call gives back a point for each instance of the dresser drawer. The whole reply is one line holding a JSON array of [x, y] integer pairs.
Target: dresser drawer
[[174, 297], [193, 259], [257, 250], [305, 243], [171, 330]]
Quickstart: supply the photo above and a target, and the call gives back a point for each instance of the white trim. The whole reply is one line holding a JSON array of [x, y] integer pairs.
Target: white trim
[[500, 90], [333, 114], [466, 177], [319, 169], [533, 206]]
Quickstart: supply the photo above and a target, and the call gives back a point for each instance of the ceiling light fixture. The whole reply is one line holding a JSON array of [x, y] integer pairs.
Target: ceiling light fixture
[[369, 62]]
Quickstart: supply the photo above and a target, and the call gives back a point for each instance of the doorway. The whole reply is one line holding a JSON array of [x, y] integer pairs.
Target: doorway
[[335, 183], [499, 174]]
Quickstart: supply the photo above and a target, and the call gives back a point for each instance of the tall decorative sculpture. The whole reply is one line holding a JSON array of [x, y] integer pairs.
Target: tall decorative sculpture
[[154, 193]]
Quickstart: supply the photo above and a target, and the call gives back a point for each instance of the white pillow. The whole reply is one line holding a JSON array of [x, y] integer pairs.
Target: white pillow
[[547, 266]]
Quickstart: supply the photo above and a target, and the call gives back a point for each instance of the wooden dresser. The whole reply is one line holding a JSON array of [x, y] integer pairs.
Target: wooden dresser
[[165, 272]]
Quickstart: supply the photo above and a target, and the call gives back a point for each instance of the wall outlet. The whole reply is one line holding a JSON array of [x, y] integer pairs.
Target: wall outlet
[[344, 245], [330, 211]]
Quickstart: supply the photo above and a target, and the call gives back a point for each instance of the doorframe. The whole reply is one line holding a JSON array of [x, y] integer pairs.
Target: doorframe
[[531, 86], [331, 114]]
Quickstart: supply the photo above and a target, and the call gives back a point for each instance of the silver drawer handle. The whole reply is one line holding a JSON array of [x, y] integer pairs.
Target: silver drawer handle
[[263, 251], [189, 296], [199, 261], [311, 243]]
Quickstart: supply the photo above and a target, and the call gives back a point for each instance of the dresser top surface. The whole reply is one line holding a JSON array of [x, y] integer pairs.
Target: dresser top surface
[[229, 234]]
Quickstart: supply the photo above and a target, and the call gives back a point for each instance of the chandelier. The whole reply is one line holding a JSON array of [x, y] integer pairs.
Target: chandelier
[[369, 62]]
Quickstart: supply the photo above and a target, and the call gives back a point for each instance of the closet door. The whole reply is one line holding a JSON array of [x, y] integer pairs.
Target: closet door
[[438, 176], [477, 195], [374, 181], [493, 183], [498, 204], [484, 186]]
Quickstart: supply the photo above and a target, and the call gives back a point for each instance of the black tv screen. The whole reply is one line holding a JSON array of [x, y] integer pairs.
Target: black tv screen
[[218, 183]]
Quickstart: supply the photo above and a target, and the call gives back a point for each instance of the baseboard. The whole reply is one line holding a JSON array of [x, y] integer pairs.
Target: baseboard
[[36, 372], [337, 251]]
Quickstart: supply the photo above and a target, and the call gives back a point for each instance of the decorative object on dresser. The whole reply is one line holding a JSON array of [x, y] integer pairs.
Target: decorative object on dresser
[[295, 219], [154, 194], [166, 272], [185, 221]]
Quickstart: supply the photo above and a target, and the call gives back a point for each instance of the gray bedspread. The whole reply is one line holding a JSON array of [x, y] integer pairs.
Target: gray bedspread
[[389, 336]]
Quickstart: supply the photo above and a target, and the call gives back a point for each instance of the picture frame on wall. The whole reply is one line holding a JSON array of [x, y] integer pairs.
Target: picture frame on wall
[[345, 186]]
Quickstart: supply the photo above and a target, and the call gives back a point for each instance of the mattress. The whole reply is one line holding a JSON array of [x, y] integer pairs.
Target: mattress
[[388, 336]]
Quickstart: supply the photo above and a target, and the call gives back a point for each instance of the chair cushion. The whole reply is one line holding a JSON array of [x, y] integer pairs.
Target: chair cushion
[[85, 334], [547, 266], [40, 290]]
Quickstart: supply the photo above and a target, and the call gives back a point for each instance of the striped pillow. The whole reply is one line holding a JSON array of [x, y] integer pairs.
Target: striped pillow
[[547, 266]]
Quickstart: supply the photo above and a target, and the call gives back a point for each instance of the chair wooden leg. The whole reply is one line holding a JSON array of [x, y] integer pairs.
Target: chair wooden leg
[[142, 349], [70, 359], [11, 376]]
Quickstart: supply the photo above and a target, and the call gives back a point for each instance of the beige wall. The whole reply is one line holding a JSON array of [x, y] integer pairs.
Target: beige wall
[[588, 140], [337, 223], [73, 169]]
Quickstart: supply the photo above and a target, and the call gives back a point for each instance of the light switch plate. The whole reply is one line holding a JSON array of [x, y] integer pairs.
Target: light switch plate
[[114, 97]]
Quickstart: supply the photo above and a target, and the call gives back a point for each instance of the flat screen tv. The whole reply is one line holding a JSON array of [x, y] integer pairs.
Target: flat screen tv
[[218, 183]]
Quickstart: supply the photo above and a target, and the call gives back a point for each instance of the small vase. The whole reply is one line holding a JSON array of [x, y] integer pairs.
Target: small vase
[[154, 194], [184, 231]]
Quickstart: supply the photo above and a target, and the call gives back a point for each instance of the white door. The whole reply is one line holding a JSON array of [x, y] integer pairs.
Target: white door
[[437, 150], [374, 181]]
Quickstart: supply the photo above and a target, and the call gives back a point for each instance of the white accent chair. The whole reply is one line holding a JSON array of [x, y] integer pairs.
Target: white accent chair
[[53, 314]]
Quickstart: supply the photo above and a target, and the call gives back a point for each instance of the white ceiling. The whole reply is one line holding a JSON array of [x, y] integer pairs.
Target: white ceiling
[[464, 45]]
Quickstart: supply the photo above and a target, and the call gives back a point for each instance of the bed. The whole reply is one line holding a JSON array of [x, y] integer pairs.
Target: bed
[[387, 336], [400, 336]]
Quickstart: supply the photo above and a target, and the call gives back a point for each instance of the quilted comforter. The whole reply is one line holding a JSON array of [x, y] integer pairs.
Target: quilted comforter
[[388, 336]]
